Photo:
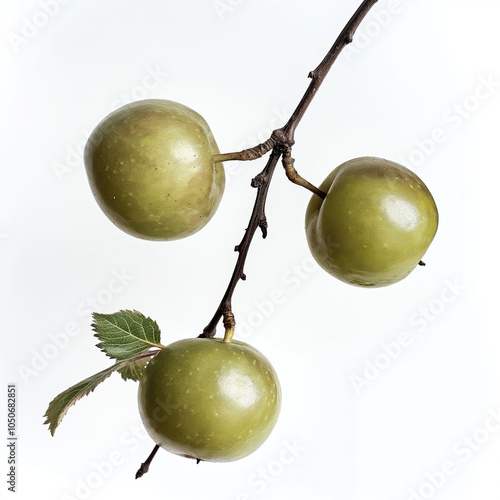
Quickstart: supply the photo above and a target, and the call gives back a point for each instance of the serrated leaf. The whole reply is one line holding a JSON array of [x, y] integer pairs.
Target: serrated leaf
[[60, 405], [125, 334], [135, 370]]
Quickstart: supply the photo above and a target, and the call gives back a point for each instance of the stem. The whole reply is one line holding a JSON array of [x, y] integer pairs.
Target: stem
[[228, 335], [145, 465], [318, 75], [293, 176], [247, 154], [257, 219], [280, 144]]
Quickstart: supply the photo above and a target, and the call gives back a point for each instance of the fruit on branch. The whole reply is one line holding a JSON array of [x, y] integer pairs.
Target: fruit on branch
[[150, 167], [208, 399], [375, 224]]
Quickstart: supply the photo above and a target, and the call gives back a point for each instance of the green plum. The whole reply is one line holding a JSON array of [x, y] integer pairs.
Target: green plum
[[150, 166], [375, 224], [208, 399]]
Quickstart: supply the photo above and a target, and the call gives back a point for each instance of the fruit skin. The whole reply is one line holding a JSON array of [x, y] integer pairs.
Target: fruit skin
[[375, 224], [208, 399], [149, 165]]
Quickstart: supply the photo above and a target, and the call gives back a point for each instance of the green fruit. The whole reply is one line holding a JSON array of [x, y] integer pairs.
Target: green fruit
[[150, 167], [208, 399], [375, 224]]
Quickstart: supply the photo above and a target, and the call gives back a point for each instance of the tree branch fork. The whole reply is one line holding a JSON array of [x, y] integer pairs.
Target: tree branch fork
[[280, 145]]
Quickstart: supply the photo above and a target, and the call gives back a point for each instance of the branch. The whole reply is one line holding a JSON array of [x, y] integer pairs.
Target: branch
[[145, 465], [318, 75], [280, 144], [257, 220]]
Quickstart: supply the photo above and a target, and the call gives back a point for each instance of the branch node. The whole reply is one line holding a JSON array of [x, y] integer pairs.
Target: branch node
[[263, 227], [283, 138], [257, 181], [228, 319]]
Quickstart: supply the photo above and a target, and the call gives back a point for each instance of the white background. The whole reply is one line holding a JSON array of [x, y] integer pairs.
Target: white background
[[361, 425]]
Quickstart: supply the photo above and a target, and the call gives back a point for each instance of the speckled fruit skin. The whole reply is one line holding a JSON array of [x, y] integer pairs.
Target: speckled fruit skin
[[209, 400], [149, 165], [375, 224]]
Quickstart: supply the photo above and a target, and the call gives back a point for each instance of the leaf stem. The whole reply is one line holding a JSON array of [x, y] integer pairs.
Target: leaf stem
[[280, 144]]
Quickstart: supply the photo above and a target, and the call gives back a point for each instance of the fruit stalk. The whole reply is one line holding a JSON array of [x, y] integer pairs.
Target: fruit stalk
[[280, 144]]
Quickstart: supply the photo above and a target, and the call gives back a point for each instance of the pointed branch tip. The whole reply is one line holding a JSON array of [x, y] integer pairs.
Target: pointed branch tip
[[145, 465]]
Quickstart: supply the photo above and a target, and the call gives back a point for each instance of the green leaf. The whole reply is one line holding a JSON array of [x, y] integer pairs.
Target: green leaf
[[60, 405], [125, 334], [128, 337]]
